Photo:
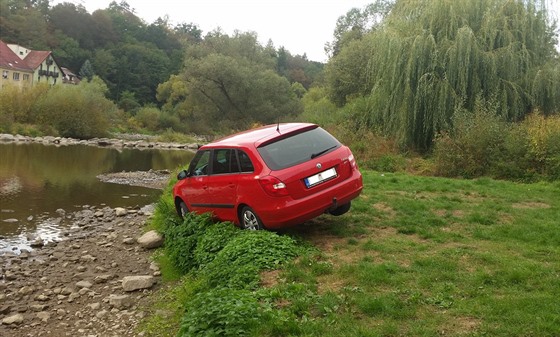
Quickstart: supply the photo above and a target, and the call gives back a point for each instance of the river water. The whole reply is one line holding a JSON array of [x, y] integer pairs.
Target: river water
[[36, 180]]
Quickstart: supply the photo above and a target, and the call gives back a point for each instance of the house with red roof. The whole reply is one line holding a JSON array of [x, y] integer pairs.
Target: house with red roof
[[24, 67]]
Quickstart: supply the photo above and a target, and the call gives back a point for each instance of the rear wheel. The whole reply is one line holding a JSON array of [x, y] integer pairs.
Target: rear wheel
[[340, 209], [250, 220]]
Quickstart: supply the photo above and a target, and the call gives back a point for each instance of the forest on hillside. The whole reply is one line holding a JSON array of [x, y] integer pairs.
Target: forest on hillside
[[410, 75], [131, 56]]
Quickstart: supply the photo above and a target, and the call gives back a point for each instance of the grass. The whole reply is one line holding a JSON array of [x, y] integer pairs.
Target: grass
[[419, 256]]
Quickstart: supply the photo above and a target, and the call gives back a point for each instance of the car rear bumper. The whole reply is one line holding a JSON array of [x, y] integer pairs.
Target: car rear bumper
[[293, 212]]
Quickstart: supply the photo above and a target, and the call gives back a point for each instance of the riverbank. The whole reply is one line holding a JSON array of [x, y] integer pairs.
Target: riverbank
[[80, 286], [129, 142]]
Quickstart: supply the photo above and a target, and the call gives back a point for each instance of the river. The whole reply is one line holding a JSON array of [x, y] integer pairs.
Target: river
[[36, 180]]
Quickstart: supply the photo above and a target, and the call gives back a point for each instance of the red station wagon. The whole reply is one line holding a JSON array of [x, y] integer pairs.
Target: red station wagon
[[271, 177]]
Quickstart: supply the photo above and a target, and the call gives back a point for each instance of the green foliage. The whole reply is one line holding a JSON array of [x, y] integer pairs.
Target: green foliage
[[86, 71], [71, 111], [148, 117], [76, 111], [221, 312], [484, 145], [228, 83], [181, 239], [430, 59], [17, 104], [226, 262], [237, 265]]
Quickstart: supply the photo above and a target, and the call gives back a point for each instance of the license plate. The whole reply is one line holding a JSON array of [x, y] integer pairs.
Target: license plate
[[320, 177]]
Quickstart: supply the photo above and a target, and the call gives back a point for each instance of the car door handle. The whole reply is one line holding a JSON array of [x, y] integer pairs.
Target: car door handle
[[231, 185], [205, 187]]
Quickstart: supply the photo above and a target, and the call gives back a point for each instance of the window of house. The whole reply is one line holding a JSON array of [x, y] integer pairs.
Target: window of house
[[16, 76], [5, 74], [26, 77]]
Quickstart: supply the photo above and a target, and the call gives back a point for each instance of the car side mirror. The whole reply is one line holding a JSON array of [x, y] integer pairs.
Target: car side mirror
[[182, 175]]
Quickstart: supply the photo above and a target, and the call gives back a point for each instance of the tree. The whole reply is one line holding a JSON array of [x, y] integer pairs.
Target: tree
[[230, 83], [86, 71], [431, 59]]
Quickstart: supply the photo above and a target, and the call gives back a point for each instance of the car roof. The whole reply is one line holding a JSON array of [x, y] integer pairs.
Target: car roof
[[262, 135]]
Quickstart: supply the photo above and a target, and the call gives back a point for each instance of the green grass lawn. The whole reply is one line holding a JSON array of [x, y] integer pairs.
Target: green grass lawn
[[421, 256]]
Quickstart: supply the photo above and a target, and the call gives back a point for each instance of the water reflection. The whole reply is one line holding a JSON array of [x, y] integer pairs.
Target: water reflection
[[37, 179]]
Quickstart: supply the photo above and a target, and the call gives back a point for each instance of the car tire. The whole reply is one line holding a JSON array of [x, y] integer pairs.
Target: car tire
[[340, 209], [182, 209], [250, 220]]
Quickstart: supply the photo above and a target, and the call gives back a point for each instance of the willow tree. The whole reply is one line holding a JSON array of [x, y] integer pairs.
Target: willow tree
[[432, 58]]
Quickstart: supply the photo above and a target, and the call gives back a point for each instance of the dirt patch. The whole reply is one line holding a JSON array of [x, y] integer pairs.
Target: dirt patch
[[530, 205], [384, 208], [269, 278]]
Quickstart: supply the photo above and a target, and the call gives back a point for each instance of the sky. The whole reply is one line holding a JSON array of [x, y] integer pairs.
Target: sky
[[300, 26]]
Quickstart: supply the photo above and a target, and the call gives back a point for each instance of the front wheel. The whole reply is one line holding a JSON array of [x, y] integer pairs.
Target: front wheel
[[250, 220], [182, 209], [340, 209]]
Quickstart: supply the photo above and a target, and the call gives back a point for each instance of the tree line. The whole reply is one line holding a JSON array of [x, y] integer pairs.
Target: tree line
[[131, 56], [402, 70]]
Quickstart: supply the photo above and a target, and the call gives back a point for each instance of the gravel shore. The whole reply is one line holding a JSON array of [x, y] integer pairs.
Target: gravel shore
[[96, 281]]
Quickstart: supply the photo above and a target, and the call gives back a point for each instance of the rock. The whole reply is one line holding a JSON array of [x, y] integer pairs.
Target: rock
[[43, 316], [151, 239], [26, 290], [132, 283], [5, 309], [42, 298], [6, 138], [119, 211], [120, 301], [94, 306], [128, 241], [83, 284], [102, 278], [14, 319]]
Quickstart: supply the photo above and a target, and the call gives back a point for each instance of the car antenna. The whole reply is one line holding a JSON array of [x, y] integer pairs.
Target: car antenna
[[278, 126]]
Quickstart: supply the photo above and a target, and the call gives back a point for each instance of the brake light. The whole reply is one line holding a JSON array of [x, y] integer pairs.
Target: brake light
[[273, 186], [352, 161]]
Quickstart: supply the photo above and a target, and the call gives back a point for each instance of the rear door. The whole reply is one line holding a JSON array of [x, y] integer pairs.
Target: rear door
[[222, 186]]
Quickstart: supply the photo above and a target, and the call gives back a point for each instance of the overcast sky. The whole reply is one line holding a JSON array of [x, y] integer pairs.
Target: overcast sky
[[301, 26]]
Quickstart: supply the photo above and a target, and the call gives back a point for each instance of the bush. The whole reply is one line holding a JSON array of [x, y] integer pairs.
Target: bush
[[482, 144], [80, 111], [221, 312], [181, 239], [238, 264], [148, 117], [17, 105]]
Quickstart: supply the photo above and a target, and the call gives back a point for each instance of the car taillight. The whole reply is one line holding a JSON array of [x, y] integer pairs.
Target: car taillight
[[352, 161], [273, 186]]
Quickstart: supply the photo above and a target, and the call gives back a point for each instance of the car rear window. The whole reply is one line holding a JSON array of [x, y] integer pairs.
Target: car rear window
[[297, 148]]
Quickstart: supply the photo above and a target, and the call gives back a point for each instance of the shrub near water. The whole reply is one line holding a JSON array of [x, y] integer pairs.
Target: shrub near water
[[483, 144], [226, 262]]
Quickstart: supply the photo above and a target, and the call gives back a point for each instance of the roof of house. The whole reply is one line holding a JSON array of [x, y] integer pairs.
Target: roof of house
[[9, 59], [36, 57]]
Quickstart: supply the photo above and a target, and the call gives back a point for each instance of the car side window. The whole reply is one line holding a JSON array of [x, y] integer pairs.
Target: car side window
[[245, 163], [224, 161], [199, 164]]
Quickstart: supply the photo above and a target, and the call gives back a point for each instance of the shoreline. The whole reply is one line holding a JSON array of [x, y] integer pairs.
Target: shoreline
[[76, 286], [117, 143]]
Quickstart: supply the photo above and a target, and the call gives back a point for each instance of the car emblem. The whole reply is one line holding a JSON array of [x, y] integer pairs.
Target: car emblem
[[318, 166]]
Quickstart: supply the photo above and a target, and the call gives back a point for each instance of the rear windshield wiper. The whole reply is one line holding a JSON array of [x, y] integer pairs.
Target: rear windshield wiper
[[315, 155]]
